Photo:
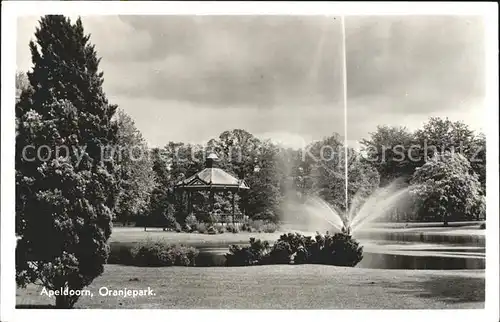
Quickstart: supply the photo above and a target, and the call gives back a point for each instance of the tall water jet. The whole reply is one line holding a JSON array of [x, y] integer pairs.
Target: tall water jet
[[344, 87]]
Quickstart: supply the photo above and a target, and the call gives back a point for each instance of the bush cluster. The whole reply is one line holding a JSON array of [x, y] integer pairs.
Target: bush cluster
[[155, 253], [254, 254], [230, 228], [259, 226], [210, 226], [339, 249]]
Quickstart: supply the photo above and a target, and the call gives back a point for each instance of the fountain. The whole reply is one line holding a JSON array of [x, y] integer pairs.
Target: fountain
[[321, 216], [363, 211]]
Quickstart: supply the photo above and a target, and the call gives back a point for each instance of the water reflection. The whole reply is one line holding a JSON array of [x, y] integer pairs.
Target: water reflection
[[393, 261], [215, 257]]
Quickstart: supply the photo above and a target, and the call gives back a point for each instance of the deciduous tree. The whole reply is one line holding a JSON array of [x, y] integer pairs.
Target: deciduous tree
[[447, 188]]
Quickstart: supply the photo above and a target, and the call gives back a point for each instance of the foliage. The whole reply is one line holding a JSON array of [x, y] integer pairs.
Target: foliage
[[175, 162], [22, 83], [135, 171], [388, 150], [263, 201], [395, 152], [211, 219], [478, 159], [201, 227], [339, 249], [171, 223], [260, 226], [446, 187], [253, 254], [322, 172], [158, 253], [280, 253], [442, 135], [191, 221], [479, 208], [269, 227], [160, 199], [246, 227], [220, 229], [64, 202], [211, 230], [121, 253], [363, 180], [232, 228]]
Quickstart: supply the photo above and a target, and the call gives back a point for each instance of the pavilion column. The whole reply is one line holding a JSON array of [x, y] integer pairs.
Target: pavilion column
[[212, 200], [184, 199], [233, 206]]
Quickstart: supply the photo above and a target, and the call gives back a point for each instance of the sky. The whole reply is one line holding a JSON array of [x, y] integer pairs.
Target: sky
[[189, 78]]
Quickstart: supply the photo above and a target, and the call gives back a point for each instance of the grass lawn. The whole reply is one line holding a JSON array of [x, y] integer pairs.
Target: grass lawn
[[133, 234], [280, 287]]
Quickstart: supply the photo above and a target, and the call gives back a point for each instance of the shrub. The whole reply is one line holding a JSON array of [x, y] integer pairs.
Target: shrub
[[339, 249], [259, 226], [269, 227], [211, 230], [120, 254], [302, 256], [256, 225], [158, 253], [296, 240], [151, 253], [184, 255], [281, 253], [201, 228], [220, 229], [170, 222], [211, 219], [191, 221], [249, 255], [246, 227], [232, 229]]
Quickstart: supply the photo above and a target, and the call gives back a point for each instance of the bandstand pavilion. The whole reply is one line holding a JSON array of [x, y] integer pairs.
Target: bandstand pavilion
[[214, 180]]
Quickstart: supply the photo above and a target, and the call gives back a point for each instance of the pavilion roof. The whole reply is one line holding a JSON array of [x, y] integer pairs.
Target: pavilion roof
[[210, 178]]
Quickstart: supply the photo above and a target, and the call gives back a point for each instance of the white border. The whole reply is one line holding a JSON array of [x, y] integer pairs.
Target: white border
[[491, 117], [12, 9]]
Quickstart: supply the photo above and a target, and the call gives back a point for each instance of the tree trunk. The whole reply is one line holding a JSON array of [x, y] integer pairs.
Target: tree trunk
[[63, 302]]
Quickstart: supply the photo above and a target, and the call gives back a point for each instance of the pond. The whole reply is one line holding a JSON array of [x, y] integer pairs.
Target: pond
[[391, 255]]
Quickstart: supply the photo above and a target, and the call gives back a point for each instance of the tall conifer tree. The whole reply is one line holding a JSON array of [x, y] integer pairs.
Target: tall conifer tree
[[65, 184]]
